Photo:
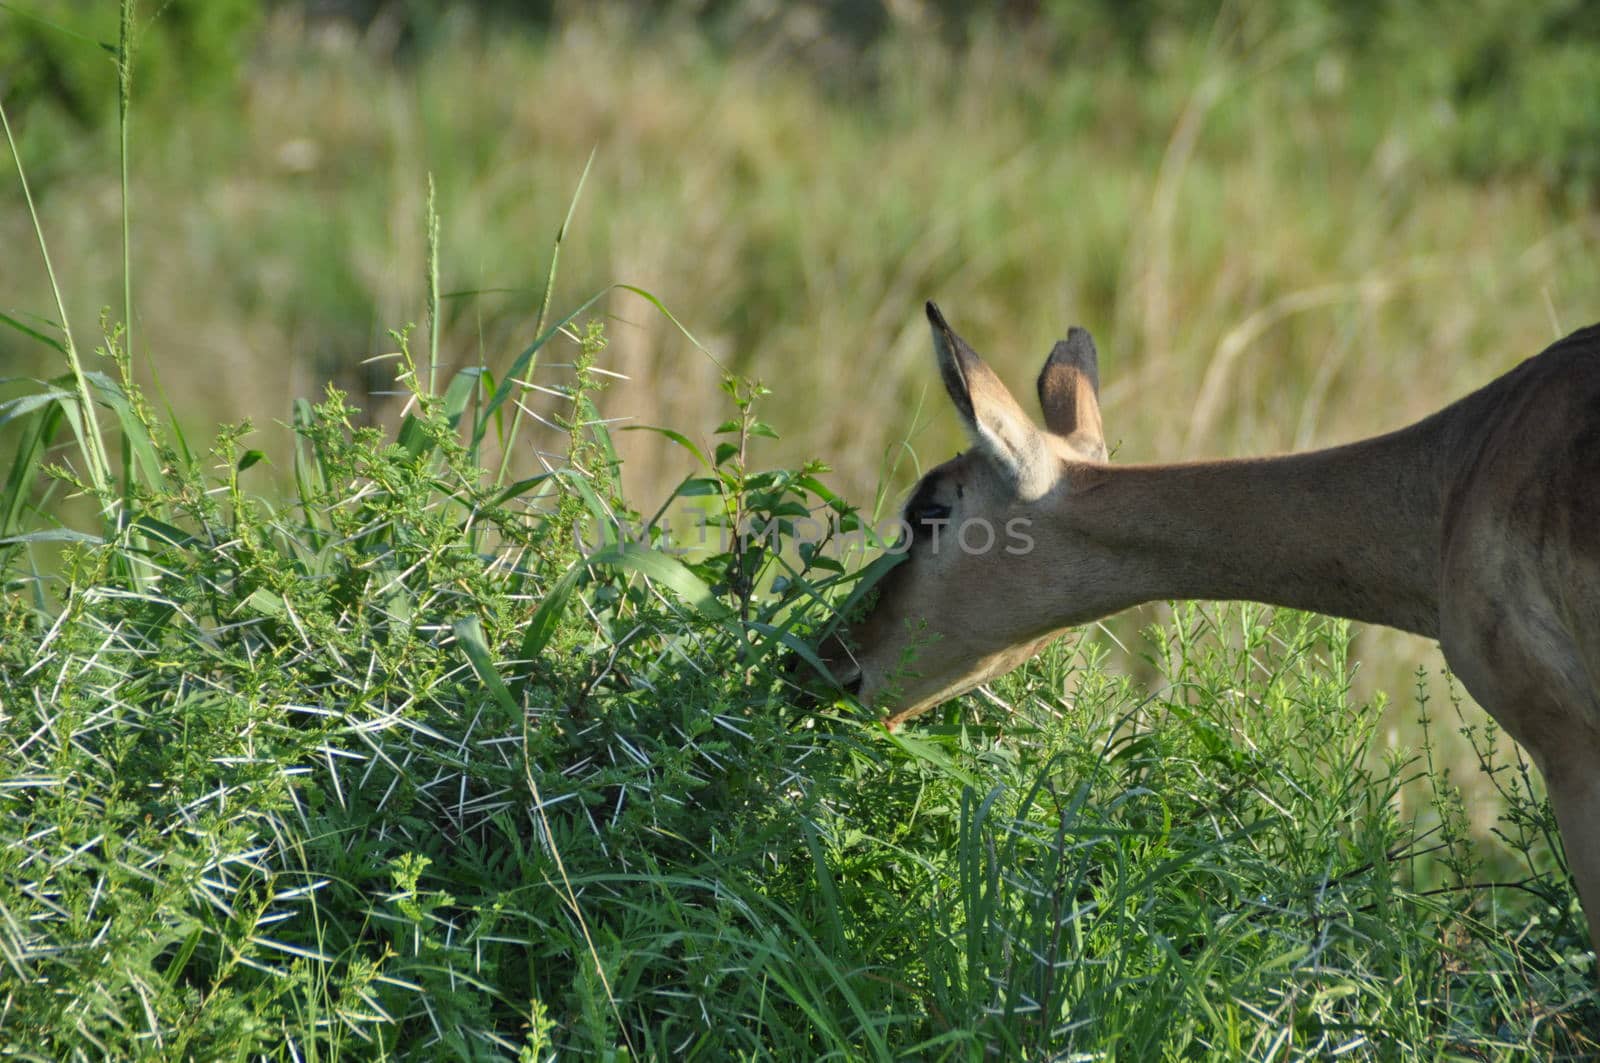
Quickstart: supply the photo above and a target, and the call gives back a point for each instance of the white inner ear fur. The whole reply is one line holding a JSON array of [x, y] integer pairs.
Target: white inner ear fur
[[1087, 446], [1017, 451]]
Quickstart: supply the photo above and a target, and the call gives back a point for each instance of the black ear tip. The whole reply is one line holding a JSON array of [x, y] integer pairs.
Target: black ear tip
[[1076, 346], [1076, 349], [936, 318]]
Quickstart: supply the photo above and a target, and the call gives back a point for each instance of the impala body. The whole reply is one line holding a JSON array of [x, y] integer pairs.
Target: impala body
[[1478, 526]]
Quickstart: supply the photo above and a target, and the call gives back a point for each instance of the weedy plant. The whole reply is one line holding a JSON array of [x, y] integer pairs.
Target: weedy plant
[[423, 760]]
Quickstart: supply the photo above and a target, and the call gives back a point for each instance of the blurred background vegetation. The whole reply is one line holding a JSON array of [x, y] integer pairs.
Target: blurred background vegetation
[[1287, 225]]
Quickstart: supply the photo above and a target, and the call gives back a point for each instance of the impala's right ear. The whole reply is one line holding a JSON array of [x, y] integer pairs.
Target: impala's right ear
[[1069, 392], [997, 426]]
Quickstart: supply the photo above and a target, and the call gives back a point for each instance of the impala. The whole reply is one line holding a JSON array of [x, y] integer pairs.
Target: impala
[[1478, 526]]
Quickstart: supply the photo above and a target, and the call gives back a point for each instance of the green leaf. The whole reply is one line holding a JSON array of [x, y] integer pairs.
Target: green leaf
[[789, 640], [36, 439], [934, 756], [486, 378], [264, 602], [26, 404], [411, 436], [698, 486], [460, 390], [660, 306], [655, 565], [49, 341], [588, 414], [522, 364], [600, 511], [163, 532], [53, 535], [543, 625], [511, 491], [677, 437], [469, 633], [309, 479], [180, 962], [134, 430], [249, 458]]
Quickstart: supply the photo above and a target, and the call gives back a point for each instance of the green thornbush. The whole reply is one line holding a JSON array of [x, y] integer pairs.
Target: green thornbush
[[420, 763]]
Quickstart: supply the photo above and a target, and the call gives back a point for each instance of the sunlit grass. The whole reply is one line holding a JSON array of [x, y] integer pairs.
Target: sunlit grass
[[327, 739]]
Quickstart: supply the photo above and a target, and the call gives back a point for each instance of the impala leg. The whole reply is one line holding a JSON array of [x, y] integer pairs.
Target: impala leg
[[1575, 796], [1531, 676]]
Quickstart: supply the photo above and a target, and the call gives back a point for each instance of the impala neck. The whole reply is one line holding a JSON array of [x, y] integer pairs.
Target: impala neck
[[1354, 531]]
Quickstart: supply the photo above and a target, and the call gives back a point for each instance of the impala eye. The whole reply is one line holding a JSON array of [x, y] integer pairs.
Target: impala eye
[[924, 508]]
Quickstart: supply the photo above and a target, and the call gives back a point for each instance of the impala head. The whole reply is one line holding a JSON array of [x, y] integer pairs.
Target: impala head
[[970, 600]]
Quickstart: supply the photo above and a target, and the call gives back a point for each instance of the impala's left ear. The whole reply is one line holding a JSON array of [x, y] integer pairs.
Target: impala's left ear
[[999, 429], [1069, 392]]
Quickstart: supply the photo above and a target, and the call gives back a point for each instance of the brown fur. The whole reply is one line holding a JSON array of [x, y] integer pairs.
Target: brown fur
[[1479, 525]]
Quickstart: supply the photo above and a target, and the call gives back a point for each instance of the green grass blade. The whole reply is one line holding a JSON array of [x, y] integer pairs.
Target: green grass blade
[[520, 366], [677, 437], [469, 634], [548, 616], [27, 404], [36, 438], [544, 310], [90, 441], [431, 288], [134, 430], [33, 333], [657, 566], [124, 100], [52, 535]]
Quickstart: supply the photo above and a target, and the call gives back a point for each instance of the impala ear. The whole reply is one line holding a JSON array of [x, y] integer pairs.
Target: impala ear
[[1069, 392], [996, 424]]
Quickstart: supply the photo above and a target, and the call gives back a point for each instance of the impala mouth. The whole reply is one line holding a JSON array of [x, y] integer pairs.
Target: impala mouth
[[842, 669], [838, 665], [838, 671]]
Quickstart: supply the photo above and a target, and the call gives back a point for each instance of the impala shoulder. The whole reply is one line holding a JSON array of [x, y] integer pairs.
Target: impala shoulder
[[1530, 451], [1562, 404]]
